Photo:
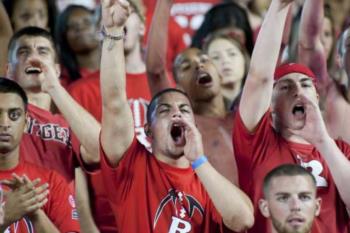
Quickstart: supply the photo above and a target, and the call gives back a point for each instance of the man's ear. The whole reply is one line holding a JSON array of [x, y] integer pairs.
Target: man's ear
[[147, 130], [9, 71], [142, 29], [264, 208], [26, 122], [58, 69], [318, 206]]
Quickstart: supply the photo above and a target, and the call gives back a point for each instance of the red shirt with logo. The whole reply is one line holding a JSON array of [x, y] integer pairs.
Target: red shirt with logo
[[49, 142], [151, 196], [259, 152], [188, 14], [60, 208], [87, 93]]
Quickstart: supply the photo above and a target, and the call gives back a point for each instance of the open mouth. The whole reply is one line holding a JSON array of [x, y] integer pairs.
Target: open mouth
[[204, 79], [177, 133], [298, 110], [33, 70]]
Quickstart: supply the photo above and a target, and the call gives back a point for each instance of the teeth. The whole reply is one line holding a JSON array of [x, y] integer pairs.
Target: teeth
[[33, 70]]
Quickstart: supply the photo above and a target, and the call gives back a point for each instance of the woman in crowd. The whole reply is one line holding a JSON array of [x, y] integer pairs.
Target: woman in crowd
[[77, 39], [231, 59]]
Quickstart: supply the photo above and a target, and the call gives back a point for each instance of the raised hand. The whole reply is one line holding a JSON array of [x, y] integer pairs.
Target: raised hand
[[194, 145], [314, 130], [25, 197], [115, 13]]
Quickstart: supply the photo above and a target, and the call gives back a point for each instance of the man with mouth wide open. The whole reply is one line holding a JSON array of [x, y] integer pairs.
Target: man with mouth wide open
[[158, 192], [279, 121]]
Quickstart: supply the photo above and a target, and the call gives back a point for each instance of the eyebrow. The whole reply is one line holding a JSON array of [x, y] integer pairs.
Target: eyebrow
[[184, 105], [163, 104]]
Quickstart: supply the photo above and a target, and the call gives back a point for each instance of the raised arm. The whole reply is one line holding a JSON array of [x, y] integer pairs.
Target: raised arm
[[310, 50], [5, 35], [157, 48], [117, 122], [84, 125], [257, 91]]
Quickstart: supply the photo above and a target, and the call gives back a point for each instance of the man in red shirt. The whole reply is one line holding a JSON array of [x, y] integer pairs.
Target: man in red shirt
[[196, 74], [290, 200], [87, 93], [158, 191], [279, 122], [48, 140], [33, 65], [39, 199]]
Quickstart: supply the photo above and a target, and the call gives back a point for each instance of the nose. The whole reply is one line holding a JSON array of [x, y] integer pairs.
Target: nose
[[177, 113], [294, 204], [4, 121], [296, 89]]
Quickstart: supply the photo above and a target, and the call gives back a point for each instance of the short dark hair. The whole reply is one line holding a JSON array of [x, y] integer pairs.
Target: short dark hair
[[285, 170], [9, 86], [31, 32], [153, 103]]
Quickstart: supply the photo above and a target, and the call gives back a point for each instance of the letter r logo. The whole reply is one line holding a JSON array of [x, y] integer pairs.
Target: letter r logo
[[179, 226]]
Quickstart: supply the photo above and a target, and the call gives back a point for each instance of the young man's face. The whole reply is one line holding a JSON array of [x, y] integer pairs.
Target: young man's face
[[291, 204], [12, 121], [287, 105], [197, 75], [167, 124], [26, 61]]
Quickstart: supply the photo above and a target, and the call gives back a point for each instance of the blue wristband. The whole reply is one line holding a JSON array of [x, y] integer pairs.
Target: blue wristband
[[199, 161]]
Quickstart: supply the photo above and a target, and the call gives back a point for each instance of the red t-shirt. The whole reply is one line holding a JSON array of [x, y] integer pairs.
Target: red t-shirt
[[87, 93], [60, 208], [150, 196], [189, 14], [49, 142], [66, 80], [259, 152]]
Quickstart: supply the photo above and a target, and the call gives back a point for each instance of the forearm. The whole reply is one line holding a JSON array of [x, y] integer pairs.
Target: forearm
[[339, 166], [83, 124], [267, 46], [117, 121], [234, 206], [42, 223], [311, 23], [310, 49], [157, 48], [5, 35], [86, 219]]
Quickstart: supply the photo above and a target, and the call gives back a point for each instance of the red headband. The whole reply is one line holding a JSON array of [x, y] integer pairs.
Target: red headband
[[288, 68]]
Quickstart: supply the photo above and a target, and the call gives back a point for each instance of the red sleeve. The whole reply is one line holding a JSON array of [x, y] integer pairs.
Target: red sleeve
[[118, 180], [61, 208], [249, 146]]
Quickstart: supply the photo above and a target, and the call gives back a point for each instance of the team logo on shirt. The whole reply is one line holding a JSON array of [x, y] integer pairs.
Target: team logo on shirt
[[185, 206], [48, 131]]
